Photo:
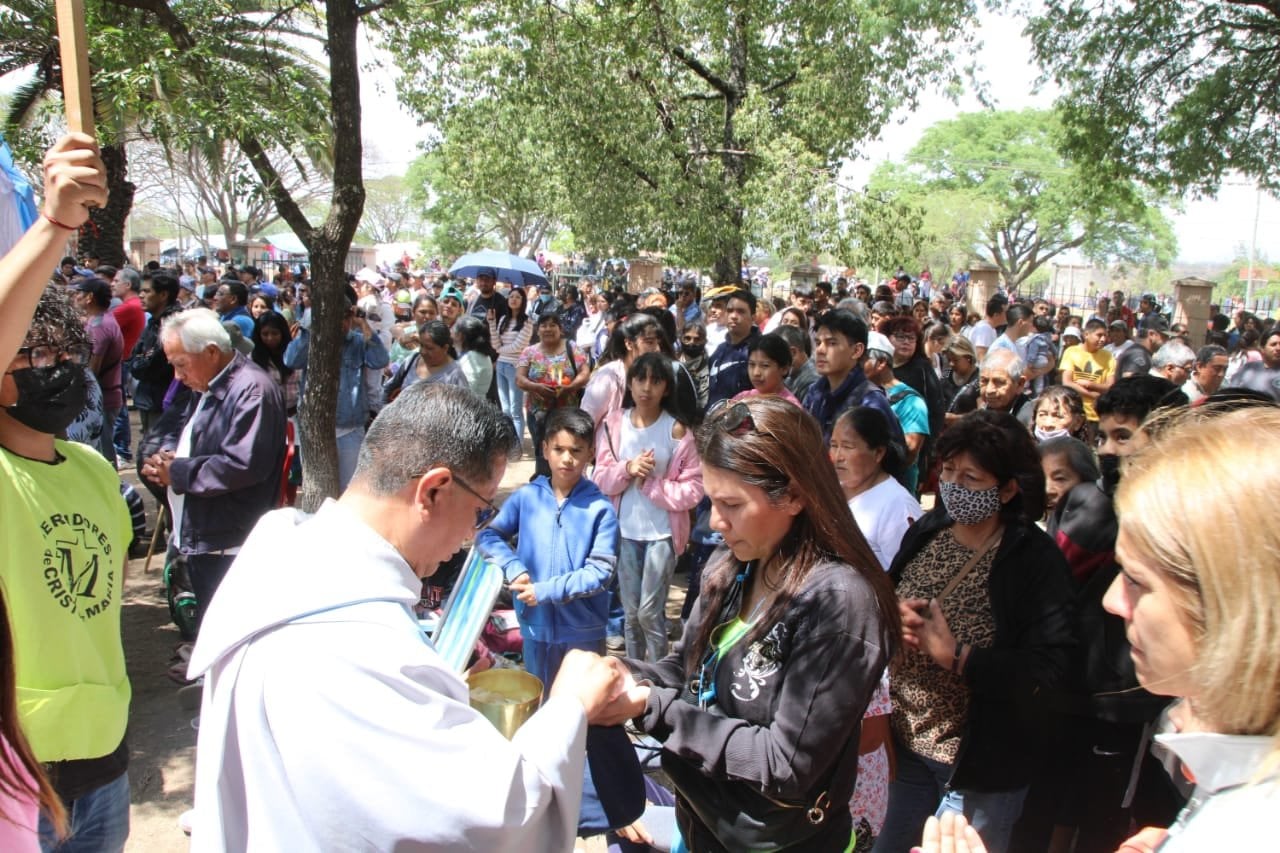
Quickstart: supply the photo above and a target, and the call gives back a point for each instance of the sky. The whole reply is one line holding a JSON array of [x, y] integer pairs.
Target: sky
[[1208, 230]]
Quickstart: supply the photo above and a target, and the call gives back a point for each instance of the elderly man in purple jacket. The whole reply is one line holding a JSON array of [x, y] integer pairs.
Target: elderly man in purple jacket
[[223, 468]]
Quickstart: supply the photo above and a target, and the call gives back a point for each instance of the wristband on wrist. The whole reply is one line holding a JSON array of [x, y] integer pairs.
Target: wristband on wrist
[[955, 660], [62, 225]]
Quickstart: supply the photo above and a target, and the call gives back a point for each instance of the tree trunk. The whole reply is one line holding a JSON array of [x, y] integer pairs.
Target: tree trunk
[[728, 266], [317, 415], [103, 235], [328, 246]]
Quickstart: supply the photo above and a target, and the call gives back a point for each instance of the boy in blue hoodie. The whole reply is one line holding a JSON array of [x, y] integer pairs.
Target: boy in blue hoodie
[[566, 551], [566, 534]]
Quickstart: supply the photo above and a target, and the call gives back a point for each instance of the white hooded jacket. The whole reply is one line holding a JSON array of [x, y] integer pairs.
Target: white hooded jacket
[[329, 723]]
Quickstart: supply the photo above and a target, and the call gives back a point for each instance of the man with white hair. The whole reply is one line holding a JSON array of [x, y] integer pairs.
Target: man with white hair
[[1174, 361], [223, 469]]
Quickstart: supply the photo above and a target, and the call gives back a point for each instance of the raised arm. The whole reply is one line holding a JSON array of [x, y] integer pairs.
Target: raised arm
[[74, 179]]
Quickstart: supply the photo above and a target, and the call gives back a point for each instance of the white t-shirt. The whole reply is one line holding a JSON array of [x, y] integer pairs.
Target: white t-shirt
[[983, 334], [883, 514], [639, 519]]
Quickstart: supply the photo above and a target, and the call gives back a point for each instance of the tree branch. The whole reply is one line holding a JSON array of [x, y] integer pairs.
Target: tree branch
[[695, 65], [271, 181], [171, 23], [362, 11]]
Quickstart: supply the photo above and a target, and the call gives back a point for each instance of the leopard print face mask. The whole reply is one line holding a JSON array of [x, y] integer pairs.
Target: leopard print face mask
[[969, 506]]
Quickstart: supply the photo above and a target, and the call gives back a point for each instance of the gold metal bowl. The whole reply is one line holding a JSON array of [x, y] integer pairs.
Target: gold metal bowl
[[506, 697]]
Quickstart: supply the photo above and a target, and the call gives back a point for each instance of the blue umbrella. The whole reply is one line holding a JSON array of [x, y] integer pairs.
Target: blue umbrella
[[505, 266], [17, 201]]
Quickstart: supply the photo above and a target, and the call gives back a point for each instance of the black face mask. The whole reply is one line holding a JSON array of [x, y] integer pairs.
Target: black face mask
[[1109, 464], [693, 350], [49, 398]]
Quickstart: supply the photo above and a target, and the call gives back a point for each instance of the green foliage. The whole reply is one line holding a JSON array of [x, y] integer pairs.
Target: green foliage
[[679, 126], [390, 213], [1175, 93], [188, 76], [997, 187], [491, 179]]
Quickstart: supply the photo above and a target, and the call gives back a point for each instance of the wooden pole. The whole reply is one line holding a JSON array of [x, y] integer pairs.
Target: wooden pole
[[73, 43]]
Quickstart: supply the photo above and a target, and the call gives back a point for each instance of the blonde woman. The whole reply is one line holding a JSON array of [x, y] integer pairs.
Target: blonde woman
[[1201, 606]]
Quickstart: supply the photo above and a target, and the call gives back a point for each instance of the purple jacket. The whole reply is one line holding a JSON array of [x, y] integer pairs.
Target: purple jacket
[[233, 473]]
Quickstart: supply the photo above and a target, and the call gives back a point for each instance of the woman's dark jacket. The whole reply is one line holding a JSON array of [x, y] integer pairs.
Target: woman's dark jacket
[[785, 724], [1032, 605]]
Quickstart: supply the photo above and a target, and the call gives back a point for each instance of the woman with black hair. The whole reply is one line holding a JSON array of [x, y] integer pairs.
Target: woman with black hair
[[867, 461], [511, 333], [986, 606], [433, 362], [475, 354], [270, 337], [759, 707]]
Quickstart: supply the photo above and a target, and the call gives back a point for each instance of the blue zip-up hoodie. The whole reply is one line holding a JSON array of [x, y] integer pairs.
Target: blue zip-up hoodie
[[569, 550]]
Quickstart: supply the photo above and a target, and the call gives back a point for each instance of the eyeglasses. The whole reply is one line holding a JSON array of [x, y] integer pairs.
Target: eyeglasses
[[485, 514], [48, 356], [905, 337]]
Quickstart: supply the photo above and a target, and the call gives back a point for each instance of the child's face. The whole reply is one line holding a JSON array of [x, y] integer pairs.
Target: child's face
[[568, 456], [765, 374], [648, 392], [1052, 415]]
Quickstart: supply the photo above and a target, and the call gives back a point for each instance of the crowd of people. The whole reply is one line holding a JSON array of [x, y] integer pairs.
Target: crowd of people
[[985, 569]]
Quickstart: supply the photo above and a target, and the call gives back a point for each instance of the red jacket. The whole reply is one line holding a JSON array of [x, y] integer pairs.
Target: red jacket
[[131, 319]]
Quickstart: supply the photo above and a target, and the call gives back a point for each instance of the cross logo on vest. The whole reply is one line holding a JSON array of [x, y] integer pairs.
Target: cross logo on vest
[[78, 570]]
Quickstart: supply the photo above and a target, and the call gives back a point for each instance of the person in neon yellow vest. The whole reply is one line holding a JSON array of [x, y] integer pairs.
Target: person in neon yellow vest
[[67, 528]]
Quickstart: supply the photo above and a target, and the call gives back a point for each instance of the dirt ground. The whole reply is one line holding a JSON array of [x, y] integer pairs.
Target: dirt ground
[[162, 739]]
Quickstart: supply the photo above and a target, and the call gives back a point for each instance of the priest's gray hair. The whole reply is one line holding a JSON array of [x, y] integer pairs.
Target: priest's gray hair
[[429, 426]]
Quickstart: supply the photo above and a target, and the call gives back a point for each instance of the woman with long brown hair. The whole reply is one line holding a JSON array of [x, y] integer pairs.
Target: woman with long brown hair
[[759, 708]]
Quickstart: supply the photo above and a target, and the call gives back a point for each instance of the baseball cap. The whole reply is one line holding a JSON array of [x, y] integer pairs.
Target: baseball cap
[[1118, 324], [1072, 331], [187, 282], [878, 342], [452, 292], [95, 286]]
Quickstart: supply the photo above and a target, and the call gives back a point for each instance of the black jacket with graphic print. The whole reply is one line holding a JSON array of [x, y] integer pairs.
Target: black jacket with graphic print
[[787, 716], [1032, 602]]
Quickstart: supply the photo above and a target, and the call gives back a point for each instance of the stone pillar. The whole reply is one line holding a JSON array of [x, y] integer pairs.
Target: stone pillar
[[143, 249], [984, 281], [1191, 307]]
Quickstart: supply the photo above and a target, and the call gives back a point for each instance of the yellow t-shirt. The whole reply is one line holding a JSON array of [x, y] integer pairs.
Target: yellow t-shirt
[[1091, 366], [62, 559]]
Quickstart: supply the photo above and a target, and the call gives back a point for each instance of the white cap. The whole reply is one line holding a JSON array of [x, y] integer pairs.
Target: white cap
[[877, 341], [1074, 331]]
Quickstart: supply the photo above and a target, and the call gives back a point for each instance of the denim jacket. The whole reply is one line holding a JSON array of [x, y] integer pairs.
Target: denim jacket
[[357, 354]]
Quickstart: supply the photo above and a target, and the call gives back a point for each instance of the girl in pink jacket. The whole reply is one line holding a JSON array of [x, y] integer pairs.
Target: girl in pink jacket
[[646, 462]]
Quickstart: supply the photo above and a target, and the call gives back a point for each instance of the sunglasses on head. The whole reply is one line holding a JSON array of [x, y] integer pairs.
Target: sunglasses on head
[[734, 419]]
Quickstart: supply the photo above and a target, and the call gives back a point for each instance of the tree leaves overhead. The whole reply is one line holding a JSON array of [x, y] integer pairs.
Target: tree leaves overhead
[[189, 75], [1173, 92], [1007, 191], [684, 126]]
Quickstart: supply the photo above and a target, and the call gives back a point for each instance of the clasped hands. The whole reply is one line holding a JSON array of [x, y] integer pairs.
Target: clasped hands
[[607, 690], [156, 467], [924, 628]]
